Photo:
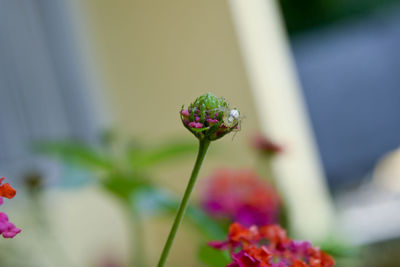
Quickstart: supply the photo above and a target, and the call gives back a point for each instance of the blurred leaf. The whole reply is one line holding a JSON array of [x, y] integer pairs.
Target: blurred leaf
[[124, 187], [107, 137], [141, 158], [339, 248], [206, 224], [213, 257], [284, 217], [76, 153], [153, 200]]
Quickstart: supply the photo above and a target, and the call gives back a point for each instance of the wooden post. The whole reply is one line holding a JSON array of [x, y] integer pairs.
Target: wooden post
[[283, 115]]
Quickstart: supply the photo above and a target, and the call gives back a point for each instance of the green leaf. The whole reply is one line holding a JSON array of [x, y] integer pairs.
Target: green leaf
[[152, 200], [141, 158], [339, 248], [209, 227], [160, 200], [213, 257], [76, 153], [124, 187]]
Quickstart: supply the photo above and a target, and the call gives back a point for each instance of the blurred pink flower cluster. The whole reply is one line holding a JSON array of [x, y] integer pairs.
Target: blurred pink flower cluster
[[240, 196]]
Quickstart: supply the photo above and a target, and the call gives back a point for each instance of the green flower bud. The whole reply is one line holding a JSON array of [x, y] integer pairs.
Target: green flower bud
[[209, 117]]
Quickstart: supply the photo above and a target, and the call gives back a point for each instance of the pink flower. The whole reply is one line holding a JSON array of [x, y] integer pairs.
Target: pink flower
[[7, 229], [241, 196]]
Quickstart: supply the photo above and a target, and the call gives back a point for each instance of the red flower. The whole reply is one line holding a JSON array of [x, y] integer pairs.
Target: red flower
[[238, 235], [6, 190], [275, 234], [7, 229], [299, 263], [269, 246], [243, 259], [319, 258]]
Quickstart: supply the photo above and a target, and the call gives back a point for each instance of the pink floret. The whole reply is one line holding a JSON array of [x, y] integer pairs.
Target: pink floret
[[185, 113], [196, 124], [7, 229], [212, 121]]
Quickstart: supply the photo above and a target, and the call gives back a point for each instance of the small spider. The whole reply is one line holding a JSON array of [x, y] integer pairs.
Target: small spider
[[231, 118]]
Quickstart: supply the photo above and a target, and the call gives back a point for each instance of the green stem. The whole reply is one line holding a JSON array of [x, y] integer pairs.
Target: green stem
[[203, 146]]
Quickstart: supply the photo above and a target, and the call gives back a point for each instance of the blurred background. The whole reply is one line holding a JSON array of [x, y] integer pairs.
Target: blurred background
[[111, 75]]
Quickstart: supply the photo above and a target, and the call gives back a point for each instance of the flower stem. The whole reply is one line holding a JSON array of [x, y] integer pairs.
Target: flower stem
[[203, 146]]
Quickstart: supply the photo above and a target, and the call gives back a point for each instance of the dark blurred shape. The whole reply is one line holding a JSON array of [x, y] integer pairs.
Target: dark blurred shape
[[305, 15], [34, 181], [382, 254], [350, 76], [265, 145]]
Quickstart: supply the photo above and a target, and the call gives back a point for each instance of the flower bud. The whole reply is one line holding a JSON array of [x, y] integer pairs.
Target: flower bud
[[210, 118]]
